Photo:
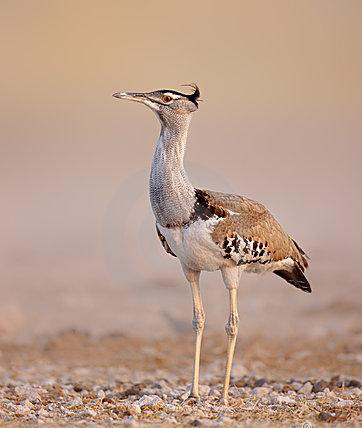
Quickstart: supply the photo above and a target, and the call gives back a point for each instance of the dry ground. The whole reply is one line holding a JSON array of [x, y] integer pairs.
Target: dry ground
[[73, 379]]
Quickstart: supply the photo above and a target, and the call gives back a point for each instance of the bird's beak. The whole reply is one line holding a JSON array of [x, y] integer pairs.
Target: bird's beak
[[133, 96], [138, 97]]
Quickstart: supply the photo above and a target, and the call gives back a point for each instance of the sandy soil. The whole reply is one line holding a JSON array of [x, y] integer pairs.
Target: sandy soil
[[115, 380]]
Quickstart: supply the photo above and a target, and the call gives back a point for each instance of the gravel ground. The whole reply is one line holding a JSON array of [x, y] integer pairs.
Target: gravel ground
[[75, 379]]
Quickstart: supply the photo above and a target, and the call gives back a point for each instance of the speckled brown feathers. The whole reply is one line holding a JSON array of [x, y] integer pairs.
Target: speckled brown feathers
[[253, 222]]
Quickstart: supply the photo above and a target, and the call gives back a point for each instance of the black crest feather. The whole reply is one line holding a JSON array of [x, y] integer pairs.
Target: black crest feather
[[192, 97], [195, 96]]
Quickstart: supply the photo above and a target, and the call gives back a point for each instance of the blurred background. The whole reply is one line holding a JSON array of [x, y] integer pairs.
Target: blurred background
[[280, 122]]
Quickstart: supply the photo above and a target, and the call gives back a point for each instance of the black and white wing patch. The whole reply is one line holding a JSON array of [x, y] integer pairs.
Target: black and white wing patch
[[245, 250], [164, 243]]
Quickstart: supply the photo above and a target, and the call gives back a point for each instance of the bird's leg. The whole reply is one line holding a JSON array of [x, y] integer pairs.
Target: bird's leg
[[198, 323], [231, 279]]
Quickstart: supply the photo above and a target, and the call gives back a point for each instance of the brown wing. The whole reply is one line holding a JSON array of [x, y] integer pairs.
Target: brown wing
[[264, 238], [164, 243]]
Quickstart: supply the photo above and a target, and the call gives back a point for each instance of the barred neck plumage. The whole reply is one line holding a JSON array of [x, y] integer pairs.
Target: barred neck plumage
[[171, 193]]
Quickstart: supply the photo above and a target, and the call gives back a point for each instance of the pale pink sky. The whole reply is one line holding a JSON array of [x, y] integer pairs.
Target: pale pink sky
[[280, 123]]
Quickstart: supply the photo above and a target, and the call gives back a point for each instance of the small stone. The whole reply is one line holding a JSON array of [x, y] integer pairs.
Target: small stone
[[344, 403], [204, 389], [329, 393], [354, 383], [327, 417], [43, 413], [320, 394], [76, 402], [260, 391], [78, 388], [260, 382], [90, 412], [278, 386], [28, 404], [281, 399], [101, 394], [22, 410], [28, 392], [150, 401], [296, 386], [306, 388], [355, 391], [185, 395], [234, 391], [170, 408], [320, 386], [134, 409], [215, 392]]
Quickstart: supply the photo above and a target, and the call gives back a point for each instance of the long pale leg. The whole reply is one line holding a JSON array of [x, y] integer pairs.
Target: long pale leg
[[231, 279], [198, 323]]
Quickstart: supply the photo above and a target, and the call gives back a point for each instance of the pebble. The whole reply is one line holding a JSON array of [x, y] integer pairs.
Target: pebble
[[355, 391], [327, 417], [234, 391], [296, 386], [170, 408], [22, 410], [306, 388], [101, 394], [134, 409], [354, 383], [281, 399], [320, 386], [43, 413], [149, 401], [185, 395], [215, 393], [28, 392], [131, 402], [260, 391], [76, 402], [260, 382], [203, 389], [278, 386], [90, 412], [344, 403]]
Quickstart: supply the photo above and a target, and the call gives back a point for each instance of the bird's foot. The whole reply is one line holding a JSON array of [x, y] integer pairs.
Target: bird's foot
[[191, 399], [224, 401]]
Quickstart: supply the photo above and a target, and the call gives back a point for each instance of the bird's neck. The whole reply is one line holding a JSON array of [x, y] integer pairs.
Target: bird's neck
[[171, 193]]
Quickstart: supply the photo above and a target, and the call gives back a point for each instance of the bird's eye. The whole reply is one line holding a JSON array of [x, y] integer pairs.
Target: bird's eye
[[166, 99]]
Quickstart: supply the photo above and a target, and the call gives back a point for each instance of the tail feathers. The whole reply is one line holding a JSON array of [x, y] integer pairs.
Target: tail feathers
[[295, 277], [303, 255]]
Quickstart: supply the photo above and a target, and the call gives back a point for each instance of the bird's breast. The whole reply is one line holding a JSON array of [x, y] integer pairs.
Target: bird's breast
[[193, 245]]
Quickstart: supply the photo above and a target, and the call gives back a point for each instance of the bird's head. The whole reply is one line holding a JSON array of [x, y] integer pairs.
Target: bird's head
[[167, 104]]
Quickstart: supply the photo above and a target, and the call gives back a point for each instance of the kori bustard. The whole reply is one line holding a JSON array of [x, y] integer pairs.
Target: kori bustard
[[207, 230]]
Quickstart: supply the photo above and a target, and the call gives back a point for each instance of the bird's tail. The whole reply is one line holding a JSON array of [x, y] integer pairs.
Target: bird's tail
[[296, 277], [304, 257]]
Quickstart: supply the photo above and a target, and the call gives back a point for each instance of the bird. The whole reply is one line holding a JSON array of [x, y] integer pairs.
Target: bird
[[208, 230]]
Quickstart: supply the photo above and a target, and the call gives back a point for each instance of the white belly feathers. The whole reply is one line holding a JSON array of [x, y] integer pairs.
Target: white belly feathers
[[194, 246]]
